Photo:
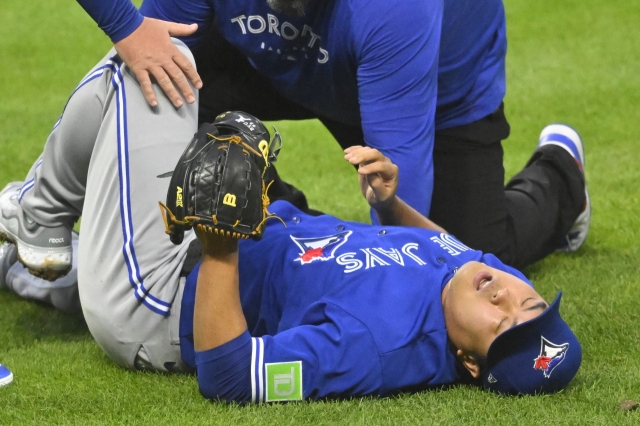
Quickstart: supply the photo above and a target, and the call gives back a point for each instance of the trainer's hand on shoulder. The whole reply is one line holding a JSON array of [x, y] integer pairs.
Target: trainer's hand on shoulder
[[378, 176], [148, 51]]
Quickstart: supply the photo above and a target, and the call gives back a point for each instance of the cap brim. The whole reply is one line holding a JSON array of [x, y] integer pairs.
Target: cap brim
[[538, 356], [494, 350]]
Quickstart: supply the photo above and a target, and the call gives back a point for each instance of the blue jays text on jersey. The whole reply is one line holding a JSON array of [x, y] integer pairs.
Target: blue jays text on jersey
[[348, 309]]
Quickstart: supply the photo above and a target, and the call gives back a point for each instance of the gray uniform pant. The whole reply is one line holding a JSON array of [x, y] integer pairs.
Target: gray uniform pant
[[101, 162]]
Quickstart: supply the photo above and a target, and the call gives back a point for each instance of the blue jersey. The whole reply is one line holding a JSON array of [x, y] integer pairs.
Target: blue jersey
[[400, 69], [347, 309]]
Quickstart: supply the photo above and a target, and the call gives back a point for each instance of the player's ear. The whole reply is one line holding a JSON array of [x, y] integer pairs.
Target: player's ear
[[471, 362]]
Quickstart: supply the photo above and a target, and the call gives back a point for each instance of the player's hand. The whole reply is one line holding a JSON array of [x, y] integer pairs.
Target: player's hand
[[149, 52], [378, 176]]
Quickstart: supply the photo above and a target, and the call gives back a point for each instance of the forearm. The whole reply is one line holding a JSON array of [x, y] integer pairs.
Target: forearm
[[218, 316], [396, 212]]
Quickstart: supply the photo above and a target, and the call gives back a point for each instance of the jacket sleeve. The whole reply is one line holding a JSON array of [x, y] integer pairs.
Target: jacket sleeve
[[117, 18], [396, 47], [182, 11]]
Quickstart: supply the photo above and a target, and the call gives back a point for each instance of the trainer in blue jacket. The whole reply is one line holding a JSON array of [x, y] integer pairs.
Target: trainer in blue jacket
[[423, 82]]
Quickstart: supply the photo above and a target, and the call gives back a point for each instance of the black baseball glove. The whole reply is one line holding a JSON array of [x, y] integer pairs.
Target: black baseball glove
[[218, 184]]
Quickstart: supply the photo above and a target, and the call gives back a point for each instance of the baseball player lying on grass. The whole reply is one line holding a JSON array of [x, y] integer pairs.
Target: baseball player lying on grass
[[319, 308]]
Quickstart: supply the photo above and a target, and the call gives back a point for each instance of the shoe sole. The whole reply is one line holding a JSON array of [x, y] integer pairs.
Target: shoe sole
[[49, 264]]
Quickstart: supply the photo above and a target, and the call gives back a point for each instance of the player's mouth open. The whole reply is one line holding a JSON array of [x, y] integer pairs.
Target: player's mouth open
[[481, 280]]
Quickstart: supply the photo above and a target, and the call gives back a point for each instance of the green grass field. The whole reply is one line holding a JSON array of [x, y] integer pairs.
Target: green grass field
[[573, 61]]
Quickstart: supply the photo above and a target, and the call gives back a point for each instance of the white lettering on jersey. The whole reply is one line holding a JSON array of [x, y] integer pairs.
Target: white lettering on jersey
[[394, 255], [239, 19], [314, 37], [352, 263], [324, 56], [273, 24], [256, 24], [349, 262], [406, 249], [454, 243], [293, 31], [262, 25], [450, 244], [372, 259]]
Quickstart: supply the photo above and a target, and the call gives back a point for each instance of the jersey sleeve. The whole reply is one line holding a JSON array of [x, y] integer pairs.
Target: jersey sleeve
[[332, 356], [396, 44], [117, 18], [182, 11]]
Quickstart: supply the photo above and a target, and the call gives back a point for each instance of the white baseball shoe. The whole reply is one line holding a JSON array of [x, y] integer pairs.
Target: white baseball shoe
[[567, 138], [46, 252]]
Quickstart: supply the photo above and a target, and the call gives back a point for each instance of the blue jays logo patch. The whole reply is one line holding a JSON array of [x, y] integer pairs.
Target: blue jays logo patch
[[551, 355], [319, 248]]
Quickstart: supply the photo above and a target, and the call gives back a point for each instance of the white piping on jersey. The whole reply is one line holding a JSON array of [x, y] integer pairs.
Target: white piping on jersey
[[257, 370]]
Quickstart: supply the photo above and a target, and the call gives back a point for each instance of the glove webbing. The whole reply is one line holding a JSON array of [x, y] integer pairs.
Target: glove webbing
[[238, 140]]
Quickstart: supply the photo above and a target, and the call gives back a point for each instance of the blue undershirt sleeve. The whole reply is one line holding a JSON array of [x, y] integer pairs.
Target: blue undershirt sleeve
[[117, 18], [396, 45]]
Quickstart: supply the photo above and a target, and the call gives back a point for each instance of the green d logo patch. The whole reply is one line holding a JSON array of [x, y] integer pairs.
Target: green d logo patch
[[284, 381]]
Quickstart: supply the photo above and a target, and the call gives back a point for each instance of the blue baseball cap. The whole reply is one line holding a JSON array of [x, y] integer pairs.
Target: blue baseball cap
[[538, 356]]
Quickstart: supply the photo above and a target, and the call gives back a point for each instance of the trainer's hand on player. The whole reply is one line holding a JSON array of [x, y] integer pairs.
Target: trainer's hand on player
[[148, 51], [378, 176]]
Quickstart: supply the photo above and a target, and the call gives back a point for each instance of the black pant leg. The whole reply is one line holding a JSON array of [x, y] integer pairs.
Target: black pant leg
[[544, 200], [521, 223], [468, 195]]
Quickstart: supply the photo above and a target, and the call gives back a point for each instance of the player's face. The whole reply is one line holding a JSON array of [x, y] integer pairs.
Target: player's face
[[481, 302]]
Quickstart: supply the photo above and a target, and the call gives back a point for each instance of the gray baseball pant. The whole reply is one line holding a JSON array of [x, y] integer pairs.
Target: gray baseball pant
[[101, 162]]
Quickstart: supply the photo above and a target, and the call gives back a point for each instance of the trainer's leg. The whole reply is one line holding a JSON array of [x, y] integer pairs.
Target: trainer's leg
[[521, 223], [468, 196], [544, 200]]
